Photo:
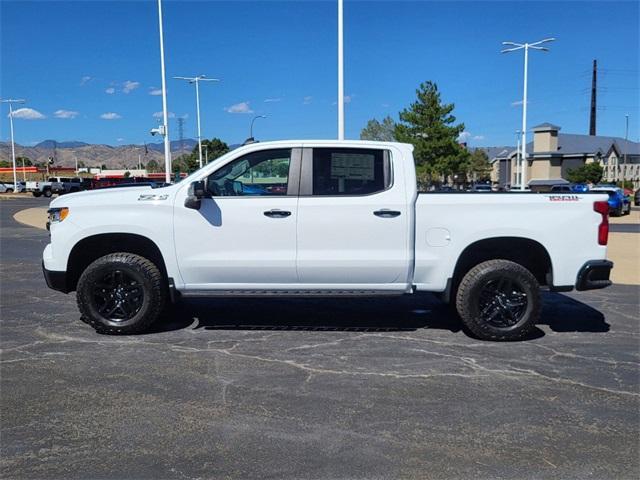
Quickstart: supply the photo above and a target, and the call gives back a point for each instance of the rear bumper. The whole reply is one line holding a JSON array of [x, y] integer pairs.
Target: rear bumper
[[594, 274], [55, 280]]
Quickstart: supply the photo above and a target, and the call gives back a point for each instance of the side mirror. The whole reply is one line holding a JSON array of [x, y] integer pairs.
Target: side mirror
[[195, 196]]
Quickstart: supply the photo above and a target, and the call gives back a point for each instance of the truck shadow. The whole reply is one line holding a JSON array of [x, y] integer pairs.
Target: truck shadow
[[322, 314], [560, 314]]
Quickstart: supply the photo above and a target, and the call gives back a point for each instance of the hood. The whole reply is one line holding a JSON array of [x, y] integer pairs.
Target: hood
[[111, 196]]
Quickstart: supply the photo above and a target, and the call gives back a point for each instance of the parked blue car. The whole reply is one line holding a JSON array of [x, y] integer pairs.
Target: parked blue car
[[619, 203]]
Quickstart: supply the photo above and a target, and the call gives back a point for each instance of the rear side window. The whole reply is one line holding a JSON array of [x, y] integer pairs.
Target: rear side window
[[350, 171]]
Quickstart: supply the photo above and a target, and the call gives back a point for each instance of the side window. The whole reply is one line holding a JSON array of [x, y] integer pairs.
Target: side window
[[350, 171], [255, 174]]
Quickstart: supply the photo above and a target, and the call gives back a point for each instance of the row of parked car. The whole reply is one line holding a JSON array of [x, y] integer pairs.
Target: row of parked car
[[63, 185], [619, 198]]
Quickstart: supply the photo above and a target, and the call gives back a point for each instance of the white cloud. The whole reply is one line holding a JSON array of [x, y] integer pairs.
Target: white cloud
[[169, 114], [84, 80], [129, 86], [518, 103], [478, 137], [307, 100], [242, 107], [272, 100], [155, 91], [385, 105], [120, 139], [66, 114], [110, 116], [464, 136], [347, 99], [27, 114], [110, 90]]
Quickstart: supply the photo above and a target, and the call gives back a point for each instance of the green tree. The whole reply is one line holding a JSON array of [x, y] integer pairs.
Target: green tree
[[214, 148], [152, 166], [587, 173], [383, 132], [478, 166], [27, 161], [429, 125]]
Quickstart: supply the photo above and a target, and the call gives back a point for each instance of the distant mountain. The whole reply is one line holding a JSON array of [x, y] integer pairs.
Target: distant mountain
[[53, 144], [95, 155], [189, 143]]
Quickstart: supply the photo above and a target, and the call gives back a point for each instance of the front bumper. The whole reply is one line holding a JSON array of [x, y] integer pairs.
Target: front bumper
[[594, 274], [55, 280]]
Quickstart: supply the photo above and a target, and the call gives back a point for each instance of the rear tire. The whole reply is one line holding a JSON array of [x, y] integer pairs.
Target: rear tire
[[121, 293], [9, 190], [499, 300], [47, 193]]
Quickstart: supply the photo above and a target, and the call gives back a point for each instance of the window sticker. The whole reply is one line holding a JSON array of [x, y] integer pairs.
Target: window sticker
[[352, 166]]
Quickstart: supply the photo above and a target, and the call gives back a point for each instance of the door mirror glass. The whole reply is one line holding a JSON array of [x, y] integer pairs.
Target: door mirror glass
[[196, 193]]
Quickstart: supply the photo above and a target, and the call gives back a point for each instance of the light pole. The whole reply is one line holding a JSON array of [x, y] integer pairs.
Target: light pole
[[626, 137], [11, 101], [165, 115], [340, 72], [196, 81], [251, 127], [526, 47]]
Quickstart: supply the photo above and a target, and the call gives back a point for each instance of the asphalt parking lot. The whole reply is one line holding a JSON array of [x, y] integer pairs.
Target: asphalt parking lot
[[314, 389]]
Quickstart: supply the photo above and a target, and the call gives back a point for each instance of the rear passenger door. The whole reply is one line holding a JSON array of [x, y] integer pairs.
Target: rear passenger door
[[353, 220]]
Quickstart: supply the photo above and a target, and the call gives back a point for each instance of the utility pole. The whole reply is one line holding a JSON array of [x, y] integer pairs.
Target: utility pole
[[626, 147], [525, 47], [340, 71], [592, 117], [181, 134], [196, 81], [11, 101], [165, 115]]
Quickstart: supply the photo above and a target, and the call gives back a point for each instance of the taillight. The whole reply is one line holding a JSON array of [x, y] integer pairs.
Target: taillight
[[603, 229]]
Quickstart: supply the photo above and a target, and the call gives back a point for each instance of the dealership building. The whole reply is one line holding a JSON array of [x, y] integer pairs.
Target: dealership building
[[552, 154]]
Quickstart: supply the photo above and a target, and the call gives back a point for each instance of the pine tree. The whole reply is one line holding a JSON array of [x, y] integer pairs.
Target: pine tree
[[429, 125]]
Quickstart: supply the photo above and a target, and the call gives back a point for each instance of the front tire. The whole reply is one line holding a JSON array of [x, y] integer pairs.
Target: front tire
[[37, 194], [47, 193], [121, 293], [9, 190], [499, 300]]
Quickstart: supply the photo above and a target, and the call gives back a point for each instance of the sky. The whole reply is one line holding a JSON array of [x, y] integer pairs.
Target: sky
[[90, 71]]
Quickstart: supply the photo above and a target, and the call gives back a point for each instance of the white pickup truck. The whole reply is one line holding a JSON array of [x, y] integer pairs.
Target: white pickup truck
[[322, 218]]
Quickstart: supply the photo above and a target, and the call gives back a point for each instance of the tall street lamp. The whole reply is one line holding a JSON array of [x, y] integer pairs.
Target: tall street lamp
[[164, 130], [11, 101], [251, 139], [196, 81], [525, 47], [340, 72]]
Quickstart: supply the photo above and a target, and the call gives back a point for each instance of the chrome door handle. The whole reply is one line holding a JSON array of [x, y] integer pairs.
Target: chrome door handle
[[275, 213], [386, 213]]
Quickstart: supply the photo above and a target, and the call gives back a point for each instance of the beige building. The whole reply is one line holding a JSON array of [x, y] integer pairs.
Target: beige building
[[552, 154]]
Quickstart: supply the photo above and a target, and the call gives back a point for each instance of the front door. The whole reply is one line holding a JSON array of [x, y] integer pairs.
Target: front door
[[244, 235], [353, 220]]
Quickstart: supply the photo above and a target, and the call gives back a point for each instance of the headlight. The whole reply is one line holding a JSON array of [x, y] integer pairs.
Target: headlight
[[57, 214]]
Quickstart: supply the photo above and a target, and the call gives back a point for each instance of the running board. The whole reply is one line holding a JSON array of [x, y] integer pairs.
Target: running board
[[290, 293]]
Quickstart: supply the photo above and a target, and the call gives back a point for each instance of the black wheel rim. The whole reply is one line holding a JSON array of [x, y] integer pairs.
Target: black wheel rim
[[502, 303], [118, 296]]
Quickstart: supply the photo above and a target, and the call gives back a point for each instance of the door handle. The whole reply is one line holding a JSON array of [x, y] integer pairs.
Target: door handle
[[386, 213], [275, 213]]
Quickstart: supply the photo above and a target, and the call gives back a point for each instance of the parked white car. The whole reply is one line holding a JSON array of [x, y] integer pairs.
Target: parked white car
[[322, 218], [9, 187]]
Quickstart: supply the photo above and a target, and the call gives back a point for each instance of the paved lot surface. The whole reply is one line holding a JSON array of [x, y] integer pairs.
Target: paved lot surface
[[315, 389]]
